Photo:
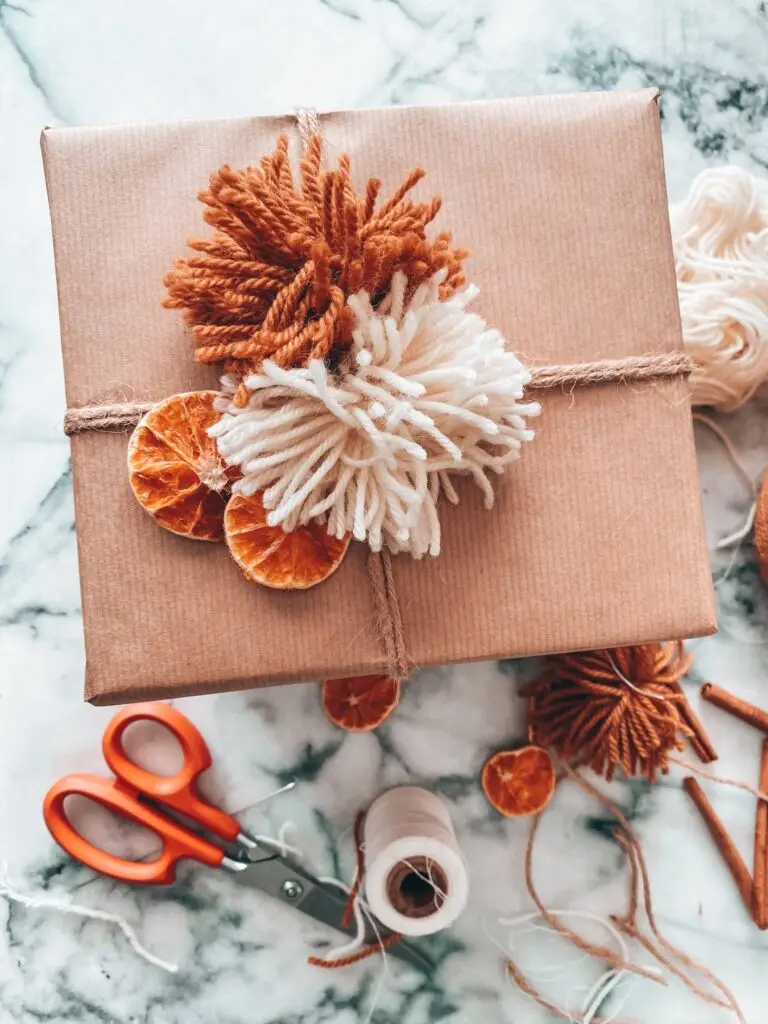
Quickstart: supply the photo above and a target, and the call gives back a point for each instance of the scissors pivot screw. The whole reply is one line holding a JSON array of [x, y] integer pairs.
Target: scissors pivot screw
[[291, 889]]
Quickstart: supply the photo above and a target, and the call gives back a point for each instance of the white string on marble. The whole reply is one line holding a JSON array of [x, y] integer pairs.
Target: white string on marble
[[384, 967], [264, 799], [360, 908], [358, 939], [752, 482], [64, 905], [601, 990], [285, 828], [279, 844], [735, 539], [605, 984], [553, 972]]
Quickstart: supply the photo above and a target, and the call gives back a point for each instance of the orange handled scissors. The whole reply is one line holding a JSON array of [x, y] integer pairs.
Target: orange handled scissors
[[171, 806]]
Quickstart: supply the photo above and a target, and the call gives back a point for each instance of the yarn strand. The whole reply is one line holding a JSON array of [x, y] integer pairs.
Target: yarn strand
[[593, 949], [63, 905], [125, 415], [632, 839]]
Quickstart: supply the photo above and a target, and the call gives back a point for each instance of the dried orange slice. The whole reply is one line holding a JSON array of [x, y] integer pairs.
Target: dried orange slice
[[270, 556], [175, 469], [360, 703], [519, 782]]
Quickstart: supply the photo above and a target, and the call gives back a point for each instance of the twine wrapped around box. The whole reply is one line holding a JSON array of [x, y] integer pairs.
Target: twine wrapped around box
[[633, 369], [349, 411]]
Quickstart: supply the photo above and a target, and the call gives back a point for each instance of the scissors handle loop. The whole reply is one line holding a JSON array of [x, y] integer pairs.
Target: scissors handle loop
[[178, 791], [177, 842]]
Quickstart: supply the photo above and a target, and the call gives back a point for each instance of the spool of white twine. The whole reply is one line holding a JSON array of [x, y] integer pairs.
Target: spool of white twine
[[416, 879]]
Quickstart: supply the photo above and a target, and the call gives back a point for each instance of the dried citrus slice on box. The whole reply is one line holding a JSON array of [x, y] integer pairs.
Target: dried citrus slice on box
[[361, 702], [519, 782], [270, 556], [175, 469]]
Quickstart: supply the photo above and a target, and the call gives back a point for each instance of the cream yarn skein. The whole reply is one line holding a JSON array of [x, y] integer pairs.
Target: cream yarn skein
[[720, 234]]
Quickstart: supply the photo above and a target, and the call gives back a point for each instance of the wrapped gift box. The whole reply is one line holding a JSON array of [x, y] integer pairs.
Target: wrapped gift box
[[596, 537]]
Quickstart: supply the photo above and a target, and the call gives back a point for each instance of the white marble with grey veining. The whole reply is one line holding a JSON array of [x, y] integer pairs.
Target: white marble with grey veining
[[241, 958]]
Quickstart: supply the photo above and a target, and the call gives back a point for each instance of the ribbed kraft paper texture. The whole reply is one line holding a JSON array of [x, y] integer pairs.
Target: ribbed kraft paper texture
[[596, 538]]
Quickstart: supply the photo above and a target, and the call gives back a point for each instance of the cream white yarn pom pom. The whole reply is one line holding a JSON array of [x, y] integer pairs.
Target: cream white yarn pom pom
[[427, 389], [720, 233]]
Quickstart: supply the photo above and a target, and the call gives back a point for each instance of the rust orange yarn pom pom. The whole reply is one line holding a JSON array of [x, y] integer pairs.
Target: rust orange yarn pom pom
[[616, 709], [267, 555], [361, 702], [273, 279], [174, 467], [519, 782]]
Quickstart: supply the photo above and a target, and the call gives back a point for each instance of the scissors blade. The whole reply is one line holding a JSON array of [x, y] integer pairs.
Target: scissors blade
[[295, 887]]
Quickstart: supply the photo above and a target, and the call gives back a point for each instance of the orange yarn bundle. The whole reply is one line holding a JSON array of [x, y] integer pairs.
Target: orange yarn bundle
[[273, 280], [622, 708]]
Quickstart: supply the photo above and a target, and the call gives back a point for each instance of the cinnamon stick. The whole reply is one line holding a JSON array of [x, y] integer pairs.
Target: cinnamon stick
[[760, 869], [733, 859], [740, 708], [699, 739]]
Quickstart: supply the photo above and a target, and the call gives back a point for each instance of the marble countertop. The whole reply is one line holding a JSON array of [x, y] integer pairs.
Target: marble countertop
[[242, 958]]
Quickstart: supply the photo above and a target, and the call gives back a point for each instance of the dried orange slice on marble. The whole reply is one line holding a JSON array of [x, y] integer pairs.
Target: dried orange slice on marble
[[361, 702], [270, 556], [174, 467], [519, 782]]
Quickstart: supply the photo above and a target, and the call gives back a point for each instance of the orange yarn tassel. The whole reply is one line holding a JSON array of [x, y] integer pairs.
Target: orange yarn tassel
[[622, 708], [355, 958]]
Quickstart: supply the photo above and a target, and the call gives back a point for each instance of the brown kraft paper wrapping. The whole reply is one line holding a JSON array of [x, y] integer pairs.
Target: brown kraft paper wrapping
[[596, 538]]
